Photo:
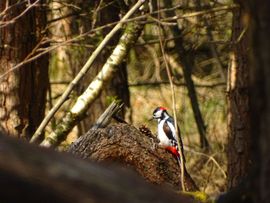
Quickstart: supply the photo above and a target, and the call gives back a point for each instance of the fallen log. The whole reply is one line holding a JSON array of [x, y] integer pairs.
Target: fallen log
[[32, 174]]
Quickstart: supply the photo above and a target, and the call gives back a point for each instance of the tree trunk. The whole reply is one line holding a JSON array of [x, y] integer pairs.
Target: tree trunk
[[256, 187], [23, 91], [238, 105], [124, 144], [260, 97], [31, 174]]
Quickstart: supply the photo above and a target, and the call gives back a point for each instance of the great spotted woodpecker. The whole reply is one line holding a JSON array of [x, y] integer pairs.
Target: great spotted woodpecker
[[167, 133]]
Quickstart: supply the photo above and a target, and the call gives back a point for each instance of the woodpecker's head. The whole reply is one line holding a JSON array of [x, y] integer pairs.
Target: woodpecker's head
[[159, 113]]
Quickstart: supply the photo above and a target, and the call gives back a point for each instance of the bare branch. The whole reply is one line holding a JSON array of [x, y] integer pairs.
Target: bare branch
[[83, 102], [13, 20], [194, 14], [177, 130], [157, 83], [83, 71], [210, 157]]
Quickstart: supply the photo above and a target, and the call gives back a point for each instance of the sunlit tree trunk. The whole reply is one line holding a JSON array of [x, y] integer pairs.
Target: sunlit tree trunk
[[22, 91], [118, 87], [72, 58], [84, 101], [256, 187], [238, 105]]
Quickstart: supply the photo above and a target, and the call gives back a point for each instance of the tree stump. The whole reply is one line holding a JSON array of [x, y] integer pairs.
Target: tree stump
[[124, 144]]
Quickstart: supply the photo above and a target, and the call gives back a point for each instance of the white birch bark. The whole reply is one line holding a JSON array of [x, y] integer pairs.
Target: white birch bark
[[107, 72]]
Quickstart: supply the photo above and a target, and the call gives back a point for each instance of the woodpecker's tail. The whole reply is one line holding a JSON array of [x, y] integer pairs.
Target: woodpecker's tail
[[178, 161]]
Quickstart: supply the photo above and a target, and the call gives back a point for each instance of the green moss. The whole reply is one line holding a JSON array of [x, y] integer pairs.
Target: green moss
[[198, 195], [111, 99]]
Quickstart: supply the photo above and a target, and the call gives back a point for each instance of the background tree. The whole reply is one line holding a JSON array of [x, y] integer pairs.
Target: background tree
[[239, 139], [260, 97], [23, 90], [76, 113], [186, 62], [255, 187]]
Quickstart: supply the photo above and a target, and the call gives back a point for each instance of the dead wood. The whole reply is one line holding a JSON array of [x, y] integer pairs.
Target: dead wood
[[123, 143], [110, 112]]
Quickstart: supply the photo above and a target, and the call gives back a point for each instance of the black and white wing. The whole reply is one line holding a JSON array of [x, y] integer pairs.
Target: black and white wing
[[169, 134], [174, 138]]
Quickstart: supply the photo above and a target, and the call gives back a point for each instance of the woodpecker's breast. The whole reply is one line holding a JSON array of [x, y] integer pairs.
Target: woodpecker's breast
[[163, 138]]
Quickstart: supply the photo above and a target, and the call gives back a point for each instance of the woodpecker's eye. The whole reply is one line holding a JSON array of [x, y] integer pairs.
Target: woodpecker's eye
[[157, 113]]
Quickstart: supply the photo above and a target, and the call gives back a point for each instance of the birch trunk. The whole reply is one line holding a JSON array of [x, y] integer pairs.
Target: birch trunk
[[131, 34]]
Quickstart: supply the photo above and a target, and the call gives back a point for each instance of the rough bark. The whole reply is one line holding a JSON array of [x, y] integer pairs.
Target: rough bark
[[239, 139], [256, 187], [31, 174], [23, 91], [260, 97], [124, 144]]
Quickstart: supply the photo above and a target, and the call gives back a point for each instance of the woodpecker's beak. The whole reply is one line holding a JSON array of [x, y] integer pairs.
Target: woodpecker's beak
[[151, 119]]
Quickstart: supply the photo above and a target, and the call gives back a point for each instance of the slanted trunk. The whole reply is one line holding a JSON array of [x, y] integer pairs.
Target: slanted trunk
[[108, 71]]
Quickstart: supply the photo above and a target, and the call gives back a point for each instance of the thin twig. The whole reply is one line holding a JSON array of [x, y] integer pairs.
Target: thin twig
[[95, 15], [199, 13], [182, 167], [83, 71], [210, 157], [213, 47], [158, 83], [110, 25], [13, 20]]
